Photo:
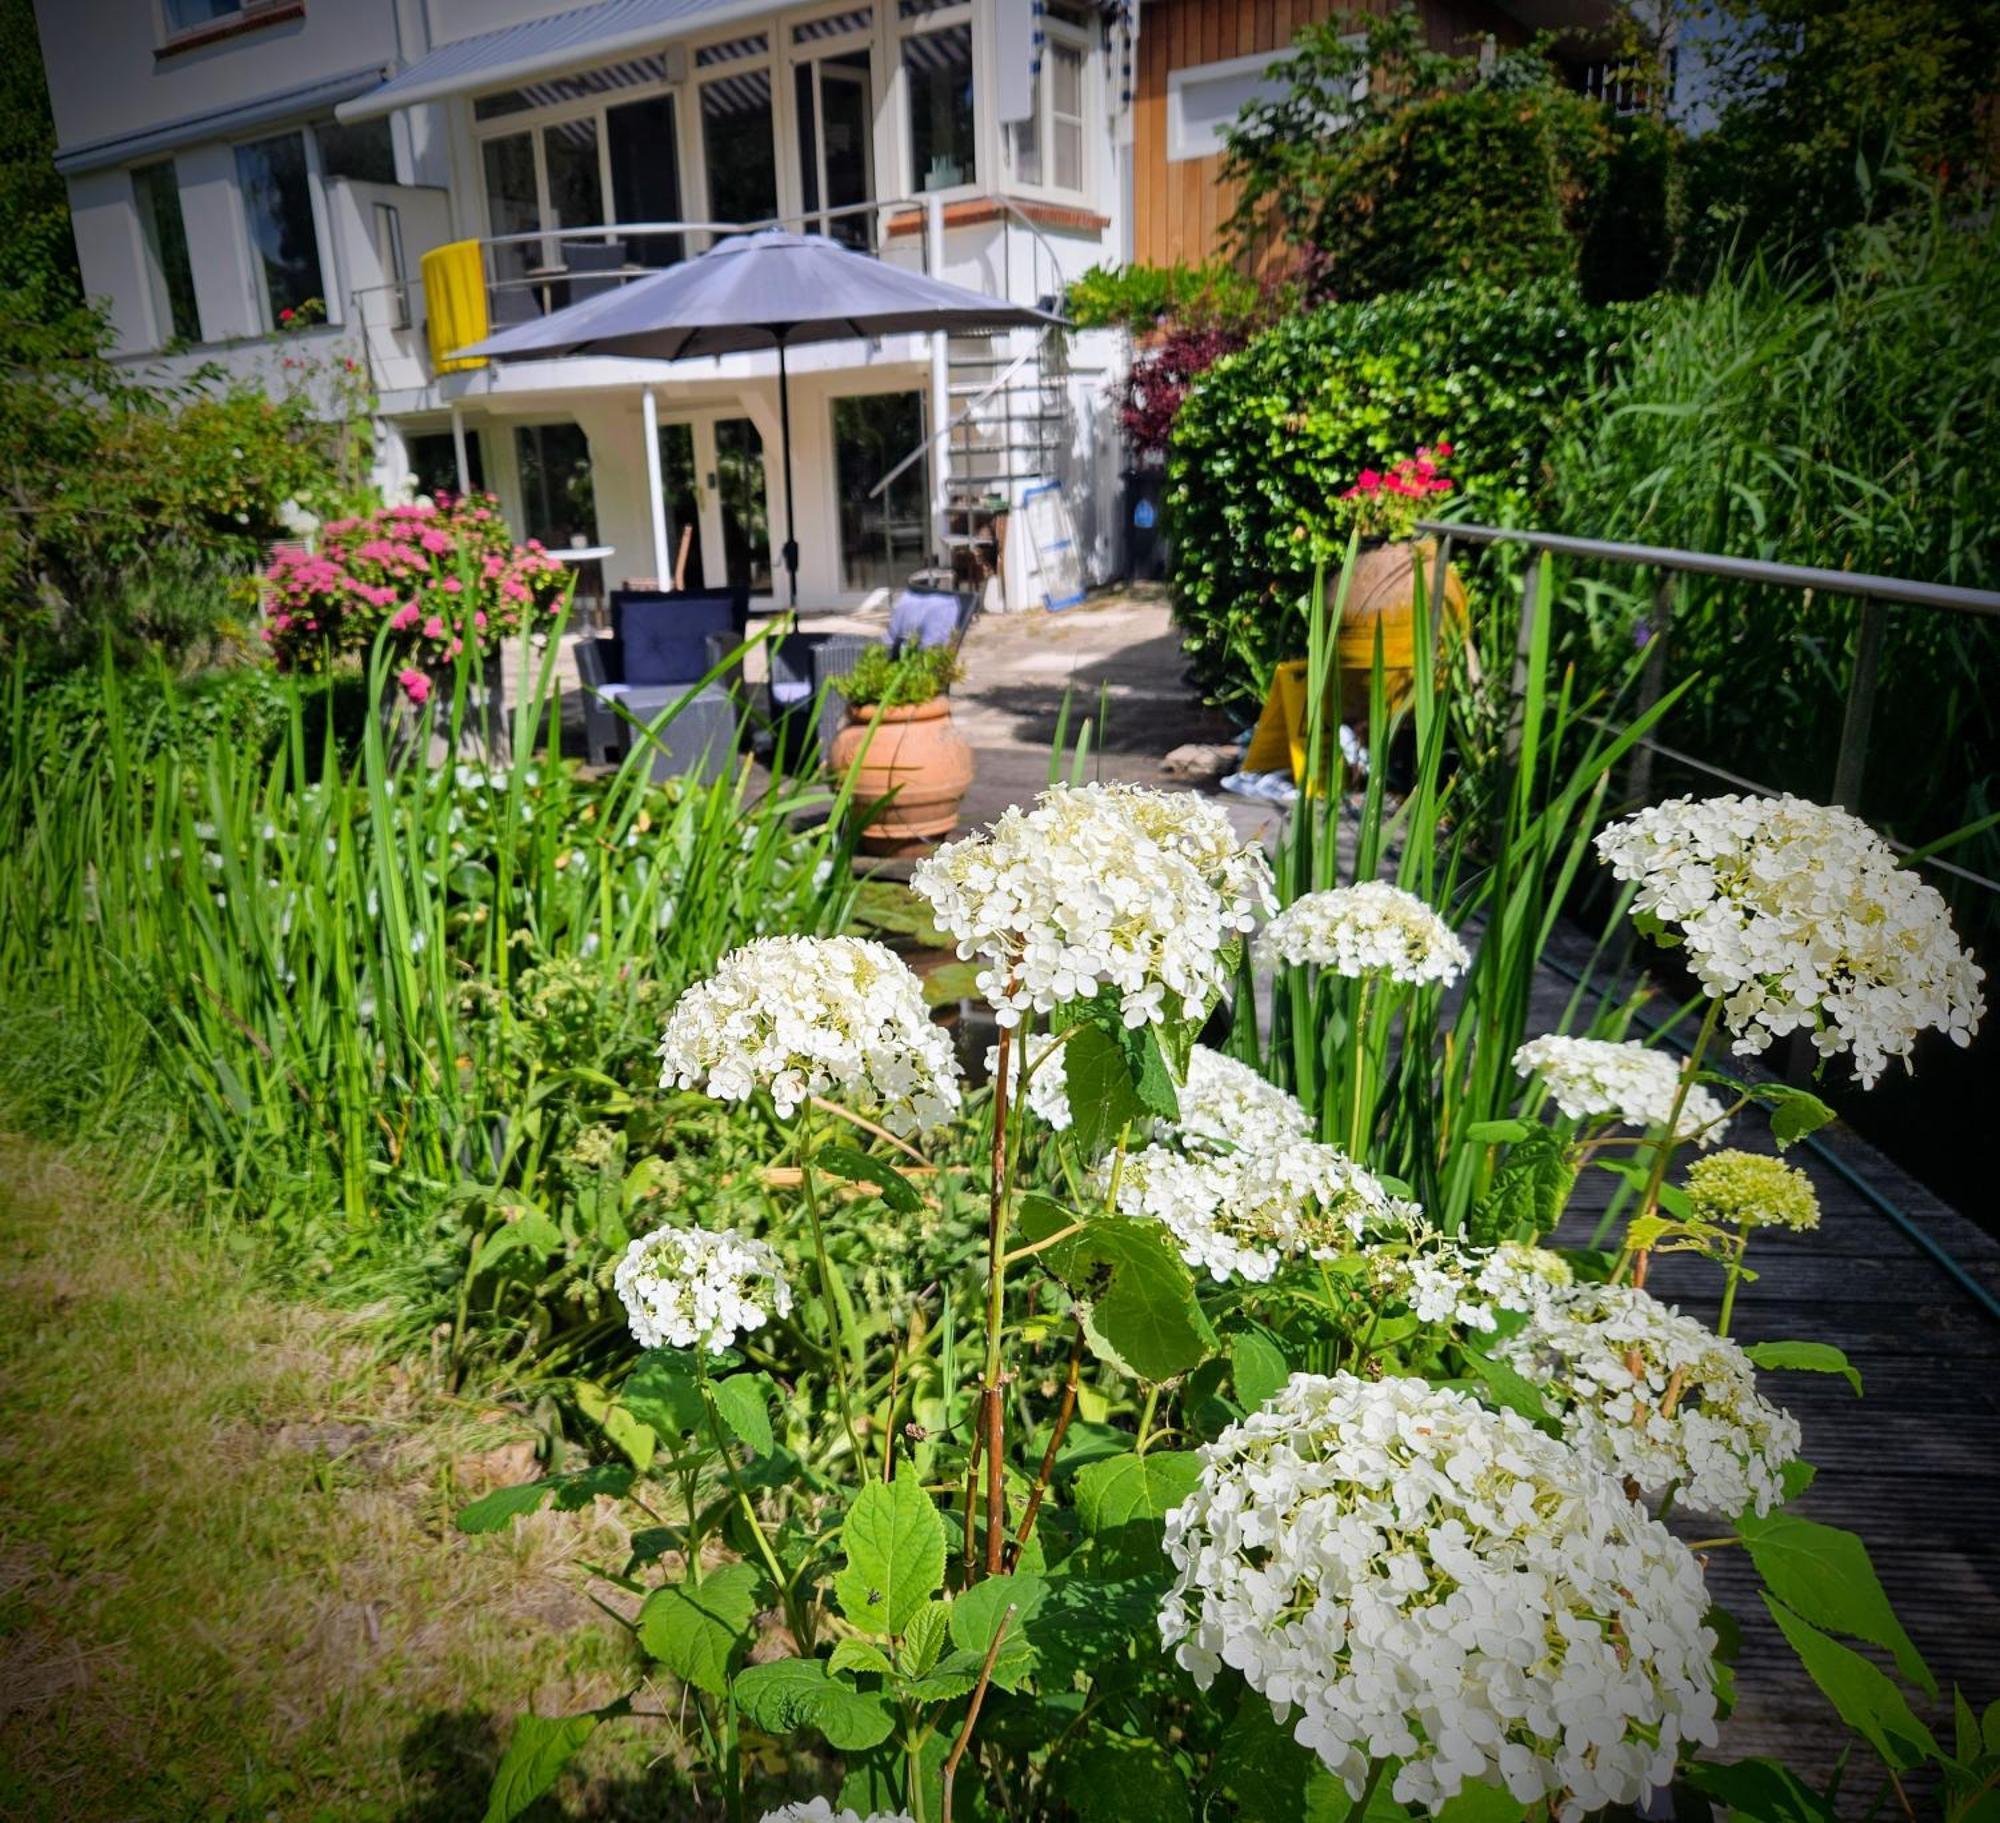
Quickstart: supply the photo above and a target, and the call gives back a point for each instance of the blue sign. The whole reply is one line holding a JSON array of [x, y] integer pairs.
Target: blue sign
[[1145, 515]]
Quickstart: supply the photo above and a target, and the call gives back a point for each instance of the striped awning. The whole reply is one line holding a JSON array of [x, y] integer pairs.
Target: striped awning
[[519, 54]]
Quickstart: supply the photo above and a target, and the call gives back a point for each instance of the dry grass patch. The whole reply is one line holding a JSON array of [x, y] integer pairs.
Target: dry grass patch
[[229, 1581]]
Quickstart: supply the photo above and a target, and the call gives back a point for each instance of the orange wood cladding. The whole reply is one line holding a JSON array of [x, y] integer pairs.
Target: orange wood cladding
[[1179, 208]]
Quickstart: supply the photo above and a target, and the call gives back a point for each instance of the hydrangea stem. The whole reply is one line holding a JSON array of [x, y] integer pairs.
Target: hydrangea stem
[[992, 1418], [836, 1323], [1358, 1112], [1733, 1278], [1376, 1768], [1669, 1139]]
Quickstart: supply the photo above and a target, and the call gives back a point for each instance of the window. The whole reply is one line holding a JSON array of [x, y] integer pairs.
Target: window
[[646, 176], [513, 206], [575, 187], [738, 135], [186, 15], [1201, 101], [395, 265], [278, 206], [1048, 147], [744, 502], [884, 538], [157, 192], [365, 151], [836, 144], [434, 462], [558, 500], [937, 75]]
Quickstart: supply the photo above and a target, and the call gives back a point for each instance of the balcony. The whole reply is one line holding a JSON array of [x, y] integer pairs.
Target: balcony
[[991, 243]]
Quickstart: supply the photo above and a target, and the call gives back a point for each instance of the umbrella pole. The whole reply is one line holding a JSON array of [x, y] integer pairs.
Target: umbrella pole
[[791, 552]]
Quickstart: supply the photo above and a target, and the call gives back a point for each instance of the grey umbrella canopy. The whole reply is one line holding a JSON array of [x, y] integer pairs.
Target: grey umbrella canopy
[[766, 290]]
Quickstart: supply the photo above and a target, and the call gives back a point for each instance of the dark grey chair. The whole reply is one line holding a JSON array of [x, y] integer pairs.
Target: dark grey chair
[[806, 706], [594, 267], [699, 739]]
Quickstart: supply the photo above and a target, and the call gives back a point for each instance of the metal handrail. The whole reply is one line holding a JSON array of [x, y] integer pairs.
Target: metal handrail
[[1733, 569], [964, 416], [1871, 591]]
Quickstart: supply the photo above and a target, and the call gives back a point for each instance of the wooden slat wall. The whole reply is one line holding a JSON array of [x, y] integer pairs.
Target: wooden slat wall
[[1179, 209]]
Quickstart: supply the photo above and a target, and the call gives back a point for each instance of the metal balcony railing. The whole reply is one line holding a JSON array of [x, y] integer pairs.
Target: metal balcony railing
[[1876, 594]]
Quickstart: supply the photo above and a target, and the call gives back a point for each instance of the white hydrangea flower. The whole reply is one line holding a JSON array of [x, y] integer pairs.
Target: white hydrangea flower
[[1796, 916], [1443, 1280], [1243, 1214], [1370, 929], [818, 1810], [1227, 1101], [1099, 886], [1596, 1079], [1414, 1577], [688, 1288], [804, 1016], [1048, 1086], [1658, 1397]]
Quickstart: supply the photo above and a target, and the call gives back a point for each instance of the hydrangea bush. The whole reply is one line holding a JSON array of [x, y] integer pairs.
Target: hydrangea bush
[[1216, 1474], [441, 576]]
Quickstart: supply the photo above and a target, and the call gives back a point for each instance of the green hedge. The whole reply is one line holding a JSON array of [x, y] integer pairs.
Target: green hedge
[[1269, 436]]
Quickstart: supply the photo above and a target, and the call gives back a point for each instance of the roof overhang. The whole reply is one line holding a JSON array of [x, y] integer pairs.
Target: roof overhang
[[266, 110], [538, 47]]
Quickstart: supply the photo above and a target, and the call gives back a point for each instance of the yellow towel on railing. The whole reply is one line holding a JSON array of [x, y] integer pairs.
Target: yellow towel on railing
[[454, 304]]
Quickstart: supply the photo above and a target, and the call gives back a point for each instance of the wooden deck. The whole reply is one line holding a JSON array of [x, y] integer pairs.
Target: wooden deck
[[1913, 1466]]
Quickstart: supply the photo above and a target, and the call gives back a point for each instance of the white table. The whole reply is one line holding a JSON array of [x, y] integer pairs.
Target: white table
[[579, 554]]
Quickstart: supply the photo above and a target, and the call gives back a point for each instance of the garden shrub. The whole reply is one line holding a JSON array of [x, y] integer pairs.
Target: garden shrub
[[1270, 437], [1385, 165]]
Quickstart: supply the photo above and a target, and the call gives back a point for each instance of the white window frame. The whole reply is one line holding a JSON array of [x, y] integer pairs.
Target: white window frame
[[985, 141], [329, 270], [1186, 142], [792, 56], [1058, 32], [535, 121]]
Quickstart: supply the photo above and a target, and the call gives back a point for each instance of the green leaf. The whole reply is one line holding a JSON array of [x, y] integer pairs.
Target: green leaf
[[495, 1511], [858, 1168], [1528, 1195], [1272, 1778], [976, 1613], [1257, 1367], [852, 1719], [1087, 1619], [1476, 1803], [895, 1554], [743, 1403], [1497, 1132], [1826, 1576], [537, 1751], [1120, 1503], [1143, 1305], [1806, 1358], [1146, 1064], [1121, 1778], [1794, 1112], [636, 1439], [781, 1696], [856, 1654], [1512, 1391], [663, 1391], [924, 1637], [1867, 1701], [1098, 1082], [693, 1629], [1760, 1791]]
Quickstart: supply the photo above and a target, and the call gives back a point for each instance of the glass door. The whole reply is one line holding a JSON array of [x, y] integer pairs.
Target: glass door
[[836, 145], [680, 494], [882, 537], [743, 504]]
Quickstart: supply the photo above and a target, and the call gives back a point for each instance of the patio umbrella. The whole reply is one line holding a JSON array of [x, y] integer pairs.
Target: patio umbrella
[[764, 290]]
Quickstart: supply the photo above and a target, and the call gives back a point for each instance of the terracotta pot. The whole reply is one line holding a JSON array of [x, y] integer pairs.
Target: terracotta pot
[[916, 753], [1381, 594]]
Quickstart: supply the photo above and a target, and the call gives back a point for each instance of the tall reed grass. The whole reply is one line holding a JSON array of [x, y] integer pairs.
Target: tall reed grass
[[385, 995]]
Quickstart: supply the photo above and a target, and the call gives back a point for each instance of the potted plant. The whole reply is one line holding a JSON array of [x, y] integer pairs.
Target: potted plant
[[910, 765], [1383, 506]]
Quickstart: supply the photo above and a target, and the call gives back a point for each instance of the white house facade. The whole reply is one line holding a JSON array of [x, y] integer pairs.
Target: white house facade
[[257, 184]]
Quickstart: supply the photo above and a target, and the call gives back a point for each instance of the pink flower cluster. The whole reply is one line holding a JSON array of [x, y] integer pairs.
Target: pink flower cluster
[[1386, 503], [440, 577]]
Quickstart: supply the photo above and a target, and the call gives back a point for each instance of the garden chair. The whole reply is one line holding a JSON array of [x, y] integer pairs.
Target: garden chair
[[806, 669]]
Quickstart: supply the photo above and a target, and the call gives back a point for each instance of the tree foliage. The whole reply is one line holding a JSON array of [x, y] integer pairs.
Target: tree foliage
[[1389, 165]]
